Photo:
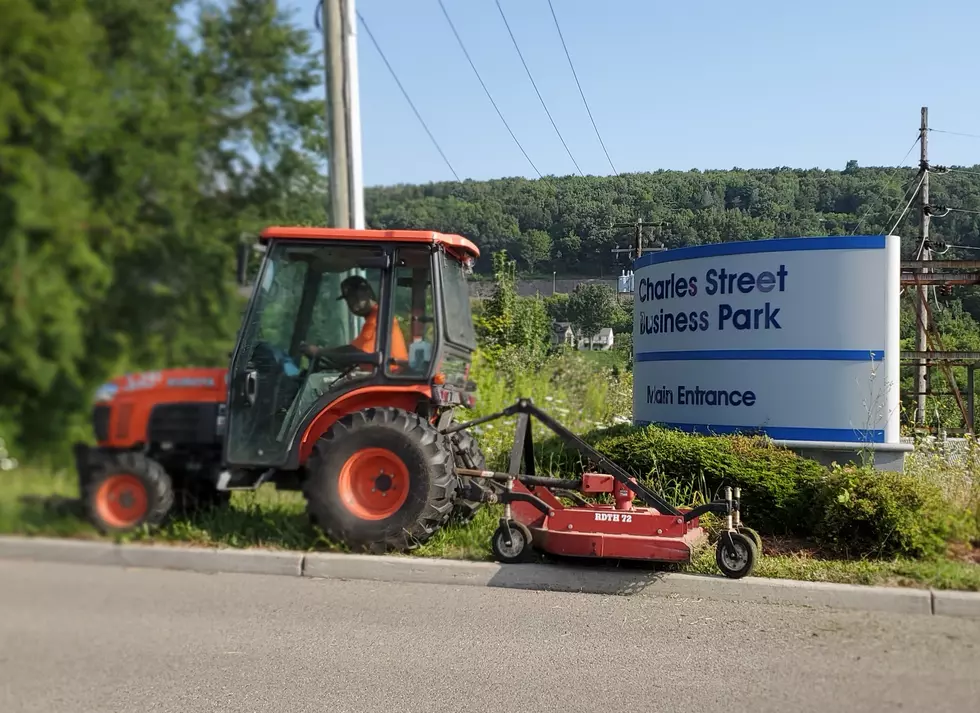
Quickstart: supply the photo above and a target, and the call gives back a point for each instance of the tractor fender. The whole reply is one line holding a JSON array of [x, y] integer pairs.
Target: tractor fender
[[406, 398]]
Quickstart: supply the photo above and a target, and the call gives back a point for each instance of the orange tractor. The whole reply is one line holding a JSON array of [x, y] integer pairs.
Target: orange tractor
[[351, 362], [353, 355]]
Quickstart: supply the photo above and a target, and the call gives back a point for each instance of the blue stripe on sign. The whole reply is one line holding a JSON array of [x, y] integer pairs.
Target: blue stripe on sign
[[776, 245], [765, 355], [779, 433]]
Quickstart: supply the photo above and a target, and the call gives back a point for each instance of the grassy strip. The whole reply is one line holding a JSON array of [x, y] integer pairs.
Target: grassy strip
[[276, 520], [804, 565]]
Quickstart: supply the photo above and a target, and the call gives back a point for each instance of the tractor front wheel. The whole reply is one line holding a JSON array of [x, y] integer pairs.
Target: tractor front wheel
[[126, 491], [380, 479]]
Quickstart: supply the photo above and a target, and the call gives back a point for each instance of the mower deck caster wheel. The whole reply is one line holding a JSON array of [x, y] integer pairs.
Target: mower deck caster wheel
[[752, 535], [518, 551], [740, 562]]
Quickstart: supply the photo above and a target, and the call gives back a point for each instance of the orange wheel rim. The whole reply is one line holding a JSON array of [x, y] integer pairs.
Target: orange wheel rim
[[374, 483], [121, 500]]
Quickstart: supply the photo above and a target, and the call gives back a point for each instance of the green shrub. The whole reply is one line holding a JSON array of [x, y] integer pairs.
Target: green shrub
[[863, 512], [775, 482], [852, 511], [509, 323]]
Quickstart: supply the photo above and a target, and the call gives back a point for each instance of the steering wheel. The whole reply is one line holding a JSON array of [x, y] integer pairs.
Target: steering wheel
[[323, 362], [339, 359]]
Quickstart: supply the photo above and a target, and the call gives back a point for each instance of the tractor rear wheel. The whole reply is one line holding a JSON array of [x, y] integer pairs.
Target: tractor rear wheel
[[380, 479], [467, 454], [126, 491]]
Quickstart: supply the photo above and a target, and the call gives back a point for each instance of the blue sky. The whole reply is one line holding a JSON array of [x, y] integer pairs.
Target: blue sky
[[671, 85]]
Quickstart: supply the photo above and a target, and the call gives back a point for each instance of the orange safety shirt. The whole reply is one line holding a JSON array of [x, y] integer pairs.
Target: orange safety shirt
[[366, 340]]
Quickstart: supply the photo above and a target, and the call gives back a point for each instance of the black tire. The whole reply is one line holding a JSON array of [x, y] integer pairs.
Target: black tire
[[520, 549], [132, 477], [467, 454], [428, 469], [745, 557], [753, 535]]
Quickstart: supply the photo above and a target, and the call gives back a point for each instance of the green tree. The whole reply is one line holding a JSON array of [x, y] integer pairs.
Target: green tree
[[557, 307], [534, 248], [134, 153], [56, 110], [510, 323], [591, 306], [622, 318]]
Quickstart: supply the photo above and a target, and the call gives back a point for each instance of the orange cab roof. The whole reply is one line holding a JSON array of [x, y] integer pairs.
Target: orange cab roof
[[396, 236]]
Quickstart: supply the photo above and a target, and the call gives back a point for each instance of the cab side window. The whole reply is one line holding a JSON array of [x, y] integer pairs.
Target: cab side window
[[331, 324], [413, 327]]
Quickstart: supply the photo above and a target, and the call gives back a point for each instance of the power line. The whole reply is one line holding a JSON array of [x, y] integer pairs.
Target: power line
[[906, 157], [956, 133], [477, 73], [907, 206], [405, 94], [931, 208], [906, 195], [533, 84], [872, 207], [581, 93], [944, 169]]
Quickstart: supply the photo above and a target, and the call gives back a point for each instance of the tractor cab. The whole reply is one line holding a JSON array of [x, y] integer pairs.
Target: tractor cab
[[342, 320]]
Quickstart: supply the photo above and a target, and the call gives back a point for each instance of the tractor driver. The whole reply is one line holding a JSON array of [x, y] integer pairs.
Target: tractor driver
[[361, 301]]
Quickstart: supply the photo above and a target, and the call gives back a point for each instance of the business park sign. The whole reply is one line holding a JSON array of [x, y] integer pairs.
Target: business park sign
[[794, 337]]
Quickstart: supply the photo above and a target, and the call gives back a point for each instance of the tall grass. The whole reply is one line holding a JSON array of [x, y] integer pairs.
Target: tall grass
[[568, 386], [954, 466]]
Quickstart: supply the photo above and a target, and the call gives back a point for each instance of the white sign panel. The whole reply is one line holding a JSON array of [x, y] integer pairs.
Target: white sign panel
[[794, 337]]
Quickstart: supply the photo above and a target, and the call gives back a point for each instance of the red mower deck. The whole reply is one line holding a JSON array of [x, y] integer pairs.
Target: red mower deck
[[536, 517]]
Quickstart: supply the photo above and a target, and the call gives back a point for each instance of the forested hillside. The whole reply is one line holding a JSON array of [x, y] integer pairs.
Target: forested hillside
[[563, 224], [137, 148]]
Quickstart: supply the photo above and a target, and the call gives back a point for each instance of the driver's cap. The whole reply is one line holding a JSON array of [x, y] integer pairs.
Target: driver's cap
[[355, 285]]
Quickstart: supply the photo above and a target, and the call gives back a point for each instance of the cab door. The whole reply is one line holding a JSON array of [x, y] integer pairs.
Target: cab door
[[266, 364], [273, 387]]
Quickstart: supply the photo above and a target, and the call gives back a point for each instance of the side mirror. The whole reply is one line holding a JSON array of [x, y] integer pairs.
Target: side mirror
[[242, 263]]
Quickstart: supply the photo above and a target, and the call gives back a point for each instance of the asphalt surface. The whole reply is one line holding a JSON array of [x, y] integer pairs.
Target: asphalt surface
[[84, 639]]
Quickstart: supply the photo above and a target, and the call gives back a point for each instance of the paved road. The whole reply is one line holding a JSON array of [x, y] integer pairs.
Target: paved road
[[82, 639]]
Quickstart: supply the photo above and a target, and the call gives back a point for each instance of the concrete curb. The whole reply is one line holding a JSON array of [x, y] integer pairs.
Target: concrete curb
[[561, 578], [193, 559]]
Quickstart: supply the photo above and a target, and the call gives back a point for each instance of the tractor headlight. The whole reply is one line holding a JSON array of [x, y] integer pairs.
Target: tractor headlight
[[105, 393]]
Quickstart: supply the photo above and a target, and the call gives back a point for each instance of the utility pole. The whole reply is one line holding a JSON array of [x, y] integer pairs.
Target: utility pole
[[638, 227], [339, 23], [922, 294]]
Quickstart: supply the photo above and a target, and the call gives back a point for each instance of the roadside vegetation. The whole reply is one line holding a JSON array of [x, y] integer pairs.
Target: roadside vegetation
[[842, 524]]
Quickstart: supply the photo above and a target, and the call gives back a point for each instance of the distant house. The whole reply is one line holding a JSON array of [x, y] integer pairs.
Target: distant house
[[602, 341], [562, 334]]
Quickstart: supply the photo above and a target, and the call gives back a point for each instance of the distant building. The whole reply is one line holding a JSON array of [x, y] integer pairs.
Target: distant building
[[562, 334], [602, 341]]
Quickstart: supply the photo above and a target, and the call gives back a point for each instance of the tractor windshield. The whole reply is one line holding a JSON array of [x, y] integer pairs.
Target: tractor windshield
[[312, 327], [456, 303]]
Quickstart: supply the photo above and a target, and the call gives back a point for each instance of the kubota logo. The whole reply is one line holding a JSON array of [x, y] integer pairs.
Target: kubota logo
[[143, 380]]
